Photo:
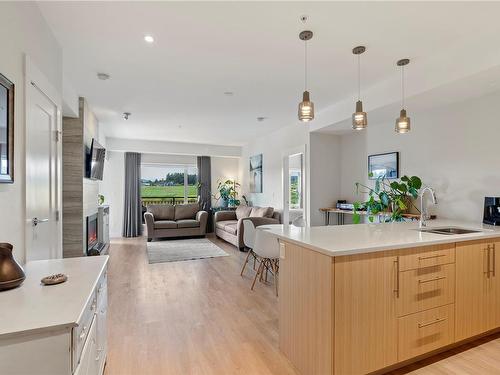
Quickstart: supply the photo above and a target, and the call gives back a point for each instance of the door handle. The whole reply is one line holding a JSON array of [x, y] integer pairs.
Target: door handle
[[37, 221]]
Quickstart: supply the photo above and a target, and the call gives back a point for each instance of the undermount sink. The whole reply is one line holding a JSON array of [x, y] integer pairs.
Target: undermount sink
[[449, 230]]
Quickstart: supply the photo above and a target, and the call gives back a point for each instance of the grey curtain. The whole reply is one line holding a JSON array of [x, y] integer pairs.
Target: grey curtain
[[132, 221], [205, 182]]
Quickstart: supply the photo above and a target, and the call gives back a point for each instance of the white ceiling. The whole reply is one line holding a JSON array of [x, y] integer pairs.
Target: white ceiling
[[174, 87]]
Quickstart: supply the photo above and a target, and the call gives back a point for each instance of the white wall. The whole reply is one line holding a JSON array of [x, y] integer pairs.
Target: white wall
[[454, 149], [168, 159], [324, 174], [112, 187], [273, 146], [23, 31], [171, 148]]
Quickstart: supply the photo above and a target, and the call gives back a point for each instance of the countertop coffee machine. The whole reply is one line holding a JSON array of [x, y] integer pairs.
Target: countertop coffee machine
[[492, 210]]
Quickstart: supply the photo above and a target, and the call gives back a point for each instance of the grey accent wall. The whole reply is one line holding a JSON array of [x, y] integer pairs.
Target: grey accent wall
[[79, 193]]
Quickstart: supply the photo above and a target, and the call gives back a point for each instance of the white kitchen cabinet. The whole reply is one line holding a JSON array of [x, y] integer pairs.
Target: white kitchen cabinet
[[59, 329]]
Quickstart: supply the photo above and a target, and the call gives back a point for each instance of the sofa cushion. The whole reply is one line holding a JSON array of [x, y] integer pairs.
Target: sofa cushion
[[231, 228], [222, 224], [186, 211], [165, 224], [162, 211], [188, 223], [243, 212], [262, 212]]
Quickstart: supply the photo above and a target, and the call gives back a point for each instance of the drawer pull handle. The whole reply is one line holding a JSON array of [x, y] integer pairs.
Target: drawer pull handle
[[84, 333], [396, 289], [433, 279], [431, 256], [488, 260], [493, 259], [437, 320]]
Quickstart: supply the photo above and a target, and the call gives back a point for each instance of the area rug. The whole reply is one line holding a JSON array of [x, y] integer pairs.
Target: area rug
[[179, 250]]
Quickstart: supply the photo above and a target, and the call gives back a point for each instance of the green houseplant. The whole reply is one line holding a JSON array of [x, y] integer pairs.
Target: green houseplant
[[227, 192], [394, 197]]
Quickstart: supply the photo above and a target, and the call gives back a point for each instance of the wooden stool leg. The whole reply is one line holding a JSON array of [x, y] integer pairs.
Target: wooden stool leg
[[267, 268], [275, 273], [246, 261], [259, 271]]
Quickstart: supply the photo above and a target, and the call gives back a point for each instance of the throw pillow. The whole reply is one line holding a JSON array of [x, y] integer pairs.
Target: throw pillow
[[243, 212], [262, 212], [186, 211], [162, 211]]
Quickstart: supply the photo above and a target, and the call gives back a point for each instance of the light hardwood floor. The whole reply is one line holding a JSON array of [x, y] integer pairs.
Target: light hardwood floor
[[200, 318]]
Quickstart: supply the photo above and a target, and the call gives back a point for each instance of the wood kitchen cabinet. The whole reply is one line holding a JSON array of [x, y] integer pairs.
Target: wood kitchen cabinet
[[367, 312], [365, 318], [477, 288]]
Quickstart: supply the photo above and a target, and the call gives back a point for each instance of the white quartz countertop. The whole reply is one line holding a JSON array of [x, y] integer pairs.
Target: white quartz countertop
[[340, 240], [35, 307]]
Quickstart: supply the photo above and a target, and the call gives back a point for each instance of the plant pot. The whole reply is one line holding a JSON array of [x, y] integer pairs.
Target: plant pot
[[11, 273]]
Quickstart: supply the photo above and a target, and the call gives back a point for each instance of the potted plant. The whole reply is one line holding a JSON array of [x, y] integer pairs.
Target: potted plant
[[394, 197], [226, 191]]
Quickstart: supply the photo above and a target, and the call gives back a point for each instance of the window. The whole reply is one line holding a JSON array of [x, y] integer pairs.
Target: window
[[169, 184], [295, 180]]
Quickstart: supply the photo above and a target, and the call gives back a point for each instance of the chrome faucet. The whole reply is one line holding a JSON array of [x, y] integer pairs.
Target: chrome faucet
[[423, 211]]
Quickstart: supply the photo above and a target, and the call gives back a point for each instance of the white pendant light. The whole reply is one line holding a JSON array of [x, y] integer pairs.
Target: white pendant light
[[306, 107], [403, 124], [359, 118]]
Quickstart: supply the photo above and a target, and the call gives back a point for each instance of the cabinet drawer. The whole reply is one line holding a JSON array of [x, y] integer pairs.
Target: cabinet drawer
[[81, 331], [425, 331], [87, 364], [102, 286], [427, 256], [425, 288]]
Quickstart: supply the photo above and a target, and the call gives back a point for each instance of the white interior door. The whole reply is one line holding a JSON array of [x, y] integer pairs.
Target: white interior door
[[42, 177]]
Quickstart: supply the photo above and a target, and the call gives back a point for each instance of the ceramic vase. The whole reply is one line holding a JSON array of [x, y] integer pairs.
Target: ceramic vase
[[11, 273]]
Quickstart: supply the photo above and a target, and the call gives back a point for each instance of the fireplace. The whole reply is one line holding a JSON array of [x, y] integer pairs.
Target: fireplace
[[92, 238]]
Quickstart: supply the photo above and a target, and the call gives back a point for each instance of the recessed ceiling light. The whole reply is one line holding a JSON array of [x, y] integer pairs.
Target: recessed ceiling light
[[149, 39], [228, 93], [103, 76]]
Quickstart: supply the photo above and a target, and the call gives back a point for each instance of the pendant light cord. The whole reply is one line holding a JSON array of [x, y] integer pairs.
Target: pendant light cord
[[305, 65], [359, 77], [403, 87]]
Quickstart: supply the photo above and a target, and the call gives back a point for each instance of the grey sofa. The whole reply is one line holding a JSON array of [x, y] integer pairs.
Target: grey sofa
[[181, 220], [229, 224]]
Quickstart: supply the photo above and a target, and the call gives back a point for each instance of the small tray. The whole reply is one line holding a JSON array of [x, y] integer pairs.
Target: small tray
[[58, 278]]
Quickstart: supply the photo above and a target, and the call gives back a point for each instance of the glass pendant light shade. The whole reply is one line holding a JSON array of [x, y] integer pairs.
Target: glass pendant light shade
[[306, 108], [359, 118], [402, 123]]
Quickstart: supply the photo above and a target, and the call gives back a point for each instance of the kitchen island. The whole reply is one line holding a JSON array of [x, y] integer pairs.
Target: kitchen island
[[56, 329], [365, 298]]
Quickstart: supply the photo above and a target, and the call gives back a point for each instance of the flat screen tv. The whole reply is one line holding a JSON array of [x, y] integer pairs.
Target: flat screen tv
[[96, 161]]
